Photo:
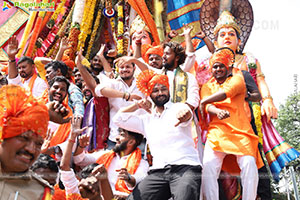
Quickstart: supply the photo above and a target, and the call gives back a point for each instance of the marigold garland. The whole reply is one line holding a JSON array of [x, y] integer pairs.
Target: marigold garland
[[112, 25], [120, 29], [57, 11], [257, 116], [251, 62], [87, 22], [73, 41], [67, 21], [93, 35]]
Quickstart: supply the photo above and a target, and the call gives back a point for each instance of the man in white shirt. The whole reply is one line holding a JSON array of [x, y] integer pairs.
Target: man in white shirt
[[119, 92], [176, 170], [124, 164], [24, 73]]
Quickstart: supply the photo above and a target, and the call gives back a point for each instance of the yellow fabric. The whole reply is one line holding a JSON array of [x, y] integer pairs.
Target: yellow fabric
[[40, 68]]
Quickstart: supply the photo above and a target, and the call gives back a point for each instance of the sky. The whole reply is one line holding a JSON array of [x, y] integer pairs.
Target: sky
[[274, 41]]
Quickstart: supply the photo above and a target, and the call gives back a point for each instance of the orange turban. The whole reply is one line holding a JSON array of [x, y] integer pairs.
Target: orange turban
[[158, 50], [224, 56], [147, 79], [20, 112], [70, 63]]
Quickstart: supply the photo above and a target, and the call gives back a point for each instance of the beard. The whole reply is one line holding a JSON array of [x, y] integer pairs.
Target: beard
[[120, 147], [79, 84], [169, 66], [24, 75], [125, 78], [161, 100], [97, 68], [87, 95]]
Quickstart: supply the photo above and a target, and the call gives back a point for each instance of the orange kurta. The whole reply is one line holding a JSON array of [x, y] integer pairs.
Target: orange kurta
[[233, 135]]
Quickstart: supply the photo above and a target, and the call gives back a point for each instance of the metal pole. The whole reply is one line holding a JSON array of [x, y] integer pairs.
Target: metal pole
[[286, 184], [296, 192]]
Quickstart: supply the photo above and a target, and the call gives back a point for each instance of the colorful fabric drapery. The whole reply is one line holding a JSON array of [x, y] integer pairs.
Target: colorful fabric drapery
[[184, 12], [96, 115], [277, 151]]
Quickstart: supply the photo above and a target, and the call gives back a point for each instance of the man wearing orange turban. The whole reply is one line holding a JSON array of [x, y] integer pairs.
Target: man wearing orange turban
[[23, 125], [154, 56], [230, 138], [168, 130]]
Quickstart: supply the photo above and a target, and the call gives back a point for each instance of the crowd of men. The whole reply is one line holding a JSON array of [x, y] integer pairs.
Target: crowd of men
[[126, 128]]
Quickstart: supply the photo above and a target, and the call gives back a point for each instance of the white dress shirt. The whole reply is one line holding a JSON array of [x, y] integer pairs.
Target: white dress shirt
[[39, 84], [118, 162], [116, 103], [168, 144]]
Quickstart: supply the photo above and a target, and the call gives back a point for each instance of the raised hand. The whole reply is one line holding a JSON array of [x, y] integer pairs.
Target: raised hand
[[172, 34], [101, 50], [187, 30], [79, 58], [64, 44], [123, 60], [76, 124], [47, 141], [12, 47], [83, 140], [200, 34]]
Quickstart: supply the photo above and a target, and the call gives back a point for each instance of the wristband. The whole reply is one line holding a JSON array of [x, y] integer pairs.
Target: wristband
[[11, 61], [72, 141], [267, 97], [128, 97], [203, 37], [169, 36], [124, 95], [129, 177]]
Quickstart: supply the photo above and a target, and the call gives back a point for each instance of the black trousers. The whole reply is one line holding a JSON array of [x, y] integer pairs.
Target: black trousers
[[177, 181]]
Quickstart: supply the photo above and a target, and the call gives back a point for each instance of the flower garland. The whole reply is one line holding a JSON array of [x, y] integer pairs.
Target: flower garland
[[48, 37], [257, 117], [112, 25], [67, 21], [95, 29], [78, 11], [256, 107], [120, 46], [54, 16], [87, 22], [126, 29], [73, 41]]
